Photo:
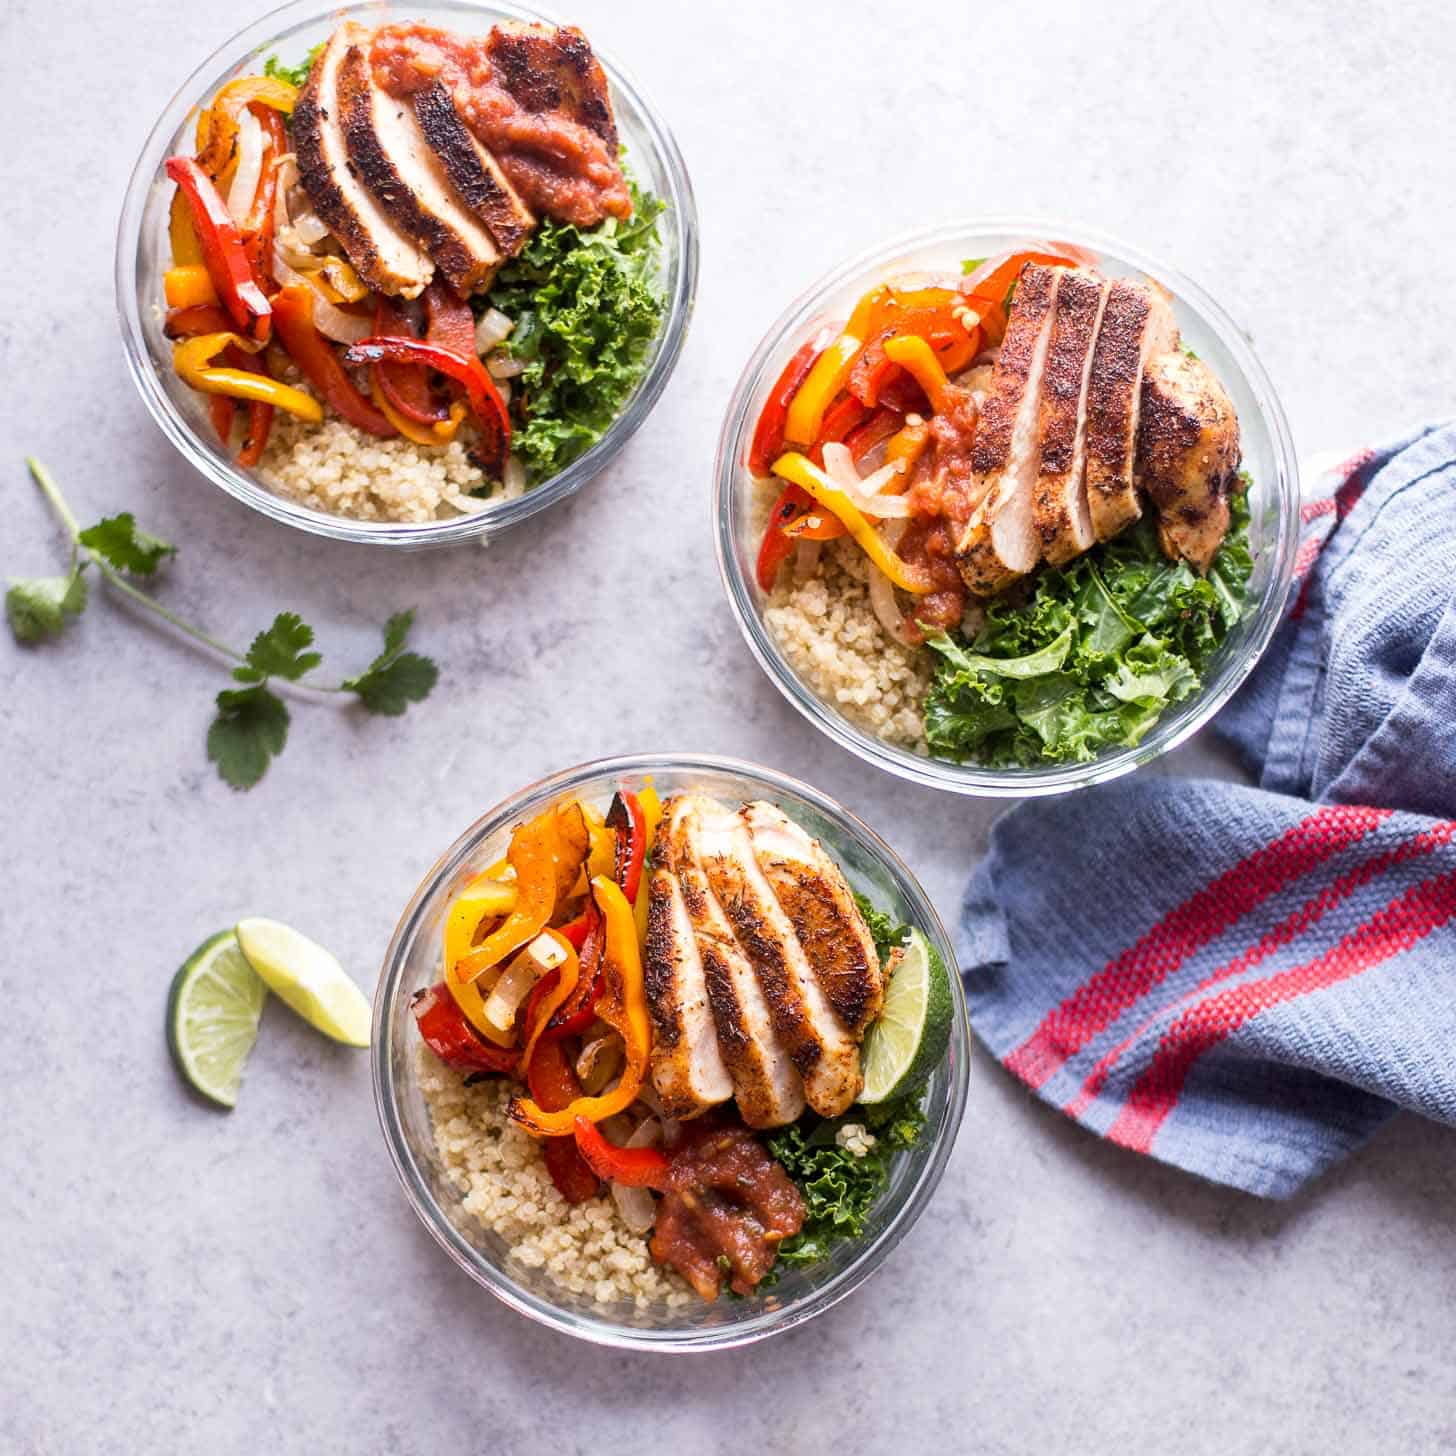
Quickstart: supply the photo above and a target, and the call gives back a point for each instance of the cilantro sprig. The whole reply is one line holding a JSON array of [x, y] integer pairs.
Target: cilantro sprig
[[251, 726]]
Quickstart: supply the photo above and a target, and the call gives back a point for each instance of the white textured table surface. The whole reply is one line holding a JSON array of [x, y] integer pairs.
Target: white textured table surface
[[184, 1281]]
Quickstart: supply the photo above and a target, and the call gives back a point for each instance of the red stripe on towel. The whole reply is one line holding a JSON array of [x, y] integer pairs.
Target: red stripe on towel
[[1293, 925], [1125, 980], [1400, 925]]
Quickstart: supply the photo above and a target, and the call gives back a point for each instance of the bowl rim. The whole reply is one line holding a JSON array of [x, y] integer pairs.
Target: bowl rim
[[680, 216], [971, 779], [608, 1332]]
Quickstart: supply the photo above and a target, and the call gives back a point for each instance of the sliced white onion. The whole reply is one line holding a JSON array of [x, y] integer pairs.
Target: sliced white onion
[[503, 388], [637, 1206], [882, 594], [514, 483], [491, 328], [333, 323], [251, 143], [502, 366], [600, 1060], [868, 495], [542, 955], [806, 560]]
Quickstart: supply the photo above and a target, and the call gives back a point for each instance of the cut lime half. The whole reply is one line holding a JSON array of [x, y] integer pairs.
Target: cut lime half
[[906, 1043], [307, 978], [212, 1017]]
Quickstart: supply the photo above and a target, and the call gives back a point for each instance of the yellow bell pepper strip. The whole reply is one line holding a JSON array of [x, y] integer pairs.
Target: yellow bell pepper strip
[[193, 361], [217, 128], [481, 900], [533, 856], [818, 391], [623, 1006], [651, 802], [188, 285], [794, 467], [917, 358], [186, 250]]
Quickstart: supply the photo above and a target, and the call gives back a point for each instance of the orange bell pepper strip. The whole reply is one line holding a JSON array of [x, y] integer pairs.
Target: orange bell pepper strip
[[196, 318], [217, 129], [186, 249], [532, 854], [918, 359], [988, 287], [907, 446], [315, 357], [189, 286], [623, 1006]]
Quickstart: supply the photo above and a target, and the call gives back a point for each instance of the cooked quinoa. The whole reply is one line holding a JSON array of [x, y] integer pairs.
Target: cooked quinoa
[[585, 1248], [832, 639], [339, 469]]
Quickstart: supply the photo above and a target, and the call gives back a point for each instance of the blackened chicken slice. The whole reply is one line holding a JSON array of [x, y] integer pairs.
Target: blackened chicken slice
[[1000, 543], [386, 257], [821, 907], [395, 161], [552, 68], [1137, 323], [1063, 522], [687, 1066], [473, 170], [766, 1084], [1187, 455], [822, 1048]]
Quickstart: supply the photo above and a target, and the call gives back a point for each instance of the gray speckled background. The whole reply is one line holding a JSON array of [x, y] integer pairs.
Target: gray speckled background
[[179, 1280]]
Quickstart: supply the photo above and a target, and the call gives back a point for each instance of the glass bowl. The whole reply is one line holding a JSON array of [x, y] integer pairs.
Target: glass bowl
[[142, 251], [1268, 456], [414, 960]]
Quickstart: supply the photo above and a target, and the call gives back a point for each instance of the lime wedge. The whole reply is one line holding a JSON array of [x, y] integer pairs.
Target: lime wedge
[[906, 1043], [212, 1017], [307, 978]]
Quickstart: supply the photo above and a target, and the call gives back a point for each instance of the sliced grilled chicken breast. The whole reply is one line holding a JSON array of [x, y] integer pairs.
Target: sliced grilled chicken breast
[[687, 1066], [766, 1084], [1137, 322], [552, 68], [823, 1050], [820, 905], [385, 257], [473, 171], [1187, 455], [395, 161], [1000, 542], [1059, 508]]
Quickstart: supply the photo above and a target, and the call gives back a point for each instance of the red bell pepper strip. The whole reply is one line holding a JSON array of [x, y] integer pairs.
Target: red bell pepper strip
[[293, 311], [576, 1015], [632, 1167], [486, 404], [199, 318], [222, 410], [448, 321], [554, 1085], [903, 395], [257, 228], [839, 419], [447, 1033], [406, 386], [879, 427], [260, 415], [626, 820], [222, 249], [768, 436]]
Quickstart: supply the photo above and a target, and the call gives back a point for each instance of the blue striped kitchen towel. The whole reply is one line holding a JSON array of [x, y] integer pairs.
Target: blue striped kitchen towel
[[1246, 982]]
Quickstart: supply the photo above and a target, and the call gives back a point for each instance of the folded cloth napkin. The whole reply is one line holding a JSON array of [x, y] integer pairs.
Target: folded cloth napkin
[[1246, 982]]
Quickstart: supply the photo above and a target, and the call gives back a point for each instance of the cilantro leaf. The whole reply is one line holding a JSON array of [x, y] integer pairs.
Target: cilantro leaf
[[279, 652], [395, 678], [38, 606], [125, 545], [251, 727]]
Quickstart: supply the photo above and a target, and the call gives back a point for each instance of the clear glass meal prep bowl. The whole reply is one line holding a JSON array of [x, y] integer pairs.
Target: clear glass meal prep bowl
[[142, 254], [1268, 455], [414, 960]]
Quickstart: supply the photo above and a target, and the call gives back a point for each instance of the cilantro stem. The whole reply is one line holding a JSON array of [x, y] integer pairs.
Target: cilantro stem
[[52, 493]]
